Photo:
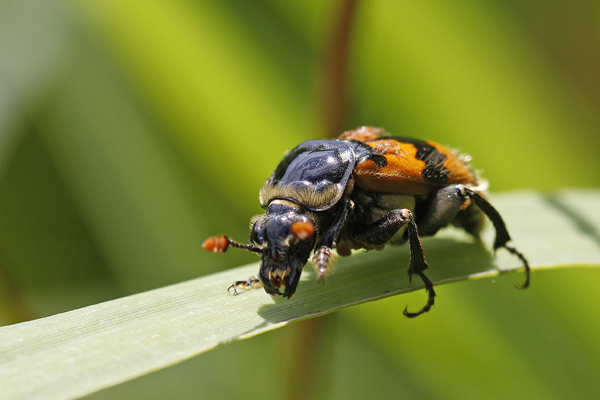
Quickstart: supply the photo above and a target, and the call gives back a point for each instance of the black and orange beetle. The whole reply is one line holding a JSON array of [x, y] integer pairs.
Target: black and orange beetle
[[362, 191]]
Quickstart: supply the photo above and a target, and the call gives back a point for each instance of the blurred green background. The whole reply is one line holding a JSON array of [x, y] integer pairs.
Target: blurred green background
[[131, 130]]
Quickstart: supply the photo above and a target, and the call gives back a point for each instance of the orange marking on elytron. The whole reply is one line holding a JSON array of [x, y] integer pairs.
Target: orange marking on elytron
[[458, 171], [403, 173]]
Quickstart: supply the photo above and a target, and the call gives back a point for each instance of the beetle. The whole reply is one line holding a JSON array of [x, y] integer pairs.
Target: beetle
[[363, 190]]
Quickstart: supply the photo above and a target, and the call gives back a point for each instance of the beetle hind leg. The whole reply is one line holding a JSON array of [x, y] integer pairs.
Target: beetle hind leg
[[502, 236], [445, 206]]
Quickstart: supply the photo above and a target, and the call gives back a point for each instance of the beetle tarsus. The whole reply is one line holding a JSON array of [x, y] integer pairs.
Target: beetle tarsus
[[430, 300], [251, 283], [517, 253], [324, 262]]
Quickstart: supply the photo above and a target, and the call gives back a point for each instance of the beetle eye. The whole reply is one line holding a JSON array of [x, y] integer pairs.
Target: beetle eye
[[303, 230], [256, 232]]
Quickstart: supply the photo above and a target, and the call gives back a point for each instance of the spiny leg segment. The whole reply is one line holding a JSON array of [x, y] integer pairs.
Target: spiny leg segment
[[382, 230]]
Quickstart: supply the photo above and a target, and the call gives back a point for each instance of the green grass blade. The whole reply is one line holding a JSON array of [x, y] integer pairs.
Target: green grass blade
[[78, 352]]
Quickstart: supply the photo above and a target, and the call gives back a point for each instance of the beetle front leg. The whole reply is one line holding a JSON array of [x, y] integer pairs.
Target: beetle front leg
[[382, 230], [324, 258], [251, 283]]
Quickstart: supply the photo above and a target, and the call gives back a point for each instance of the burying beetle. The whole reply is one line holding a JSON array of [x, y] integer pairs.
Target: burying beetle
[[362, 191]]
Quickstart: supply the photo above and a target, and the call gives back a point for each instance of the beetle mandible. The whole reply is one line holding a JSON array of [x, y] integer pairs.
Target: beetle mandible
[[363, 190]]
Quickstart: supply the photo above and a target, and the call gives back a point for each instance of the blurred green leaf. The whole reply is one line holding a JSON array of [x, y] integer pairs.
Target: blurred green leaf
[[465, 74], [75, 353], [227, 92]]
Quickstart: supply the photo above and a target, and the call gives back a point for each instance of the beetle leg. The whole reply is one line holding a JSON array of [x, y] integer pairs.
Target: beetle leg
[[442, 209], [382, 230], [324, 258], [502, 235], [445, 206], [251, 283]]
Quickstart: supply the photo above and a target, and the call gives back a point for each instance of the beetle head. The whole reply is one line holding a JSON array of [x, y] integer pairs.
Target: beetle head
[[286, 236]]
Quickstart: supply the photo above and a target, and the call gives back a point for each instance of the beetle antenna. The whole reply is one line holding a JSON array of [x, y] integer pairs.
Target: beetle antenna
[[219, 244]]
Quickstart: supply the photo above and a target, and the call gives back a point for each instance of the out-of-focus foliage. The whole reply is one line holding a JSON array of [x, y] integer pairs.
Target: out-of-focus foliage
[[129, 131]]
